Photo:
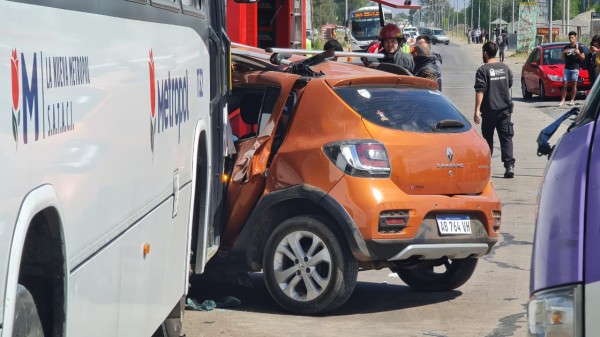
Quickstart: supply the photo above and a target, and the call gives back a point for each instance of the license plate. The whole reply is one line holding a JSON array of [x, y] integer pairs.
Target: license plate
[[454, 224]]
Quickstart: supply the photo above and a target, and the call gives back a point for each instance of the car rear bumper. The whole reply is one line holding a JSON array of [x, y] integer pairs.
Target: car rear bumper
[[366, 204], [430, 245]]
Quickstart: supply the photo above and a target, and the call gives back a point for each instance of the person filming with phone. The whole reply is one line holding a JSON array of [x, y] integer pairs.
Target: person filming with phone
[[572, 54]]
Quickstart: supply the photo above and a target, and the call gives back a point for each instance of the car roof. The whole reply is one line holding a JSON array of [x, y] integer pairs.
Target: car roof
[[335, 73], [556, 44]]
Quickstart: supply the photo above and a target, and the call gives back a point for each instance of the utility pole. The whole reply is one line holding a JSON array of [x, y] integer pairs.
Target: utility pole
[[513, 17], [550, 22], [489, 21], [465, 16], [478, 13], [471, 2], [568, 15]]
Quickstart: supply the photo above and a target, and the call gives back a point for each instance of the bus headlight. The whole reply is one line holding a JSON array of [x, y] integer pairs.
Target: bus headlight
[[556, 312]]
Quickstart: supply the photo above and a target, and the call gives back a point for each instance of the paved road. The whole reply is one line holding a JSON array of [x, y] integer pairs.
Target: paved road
[[492, 304]]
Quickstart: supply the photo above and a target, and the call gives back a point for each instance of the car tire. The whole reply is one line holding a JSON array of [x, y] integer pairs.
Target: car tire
[[433, 42], [455, 273], [542, 91], [524, 92], [446, 43], [27, 319], [306, 269]]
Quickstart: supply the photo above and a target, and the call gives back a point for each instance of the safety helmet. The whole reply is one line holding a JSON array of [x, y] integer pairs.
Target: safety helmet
[[389, 31]]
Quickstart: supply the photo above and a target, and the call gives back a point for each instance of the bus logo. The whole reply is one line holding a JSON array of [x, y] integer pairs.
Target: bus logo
[[16, 113], [152, 100], [169, 101]]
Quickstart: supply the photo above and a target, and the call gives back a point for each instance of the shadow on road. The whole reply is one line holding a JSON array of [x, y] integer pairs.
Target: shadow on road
[[368, 297]]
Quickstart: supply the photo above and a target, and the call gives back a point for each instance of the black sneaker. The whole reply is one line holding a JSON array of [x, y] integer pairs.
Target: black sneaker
[[510, 172]]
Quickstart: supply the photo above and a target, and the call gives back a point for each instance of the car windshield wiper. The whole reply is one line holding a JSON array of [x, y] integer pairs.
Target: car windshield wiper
[[449, 124]]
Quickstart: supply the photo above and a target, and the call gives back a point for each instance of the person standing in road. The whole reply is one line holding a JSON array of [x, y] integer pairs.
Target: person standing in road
[[493, 104], [391, 39], [592, 59], [335, 45], [501, 45], [572, 54], [425, 40], [426, 65]]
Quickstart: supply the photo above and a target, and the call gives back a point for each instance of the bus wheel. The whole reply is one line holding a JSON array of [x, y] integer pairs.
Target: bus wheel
[[306, 269], [27, 320], [450, 275]]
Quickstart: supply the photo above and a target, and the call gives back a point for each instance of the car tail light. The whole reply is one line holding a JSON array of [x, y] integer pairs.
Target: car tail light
[[359, 158]]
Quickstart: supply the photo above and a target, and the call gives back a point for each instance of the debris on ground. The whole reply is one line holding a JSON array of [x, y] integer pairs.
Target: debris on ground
[[208, 305]]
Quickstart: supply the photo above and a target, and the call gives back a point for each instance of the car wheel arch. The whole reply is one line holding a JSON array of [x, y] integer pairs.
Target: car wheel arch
[[278, 206]]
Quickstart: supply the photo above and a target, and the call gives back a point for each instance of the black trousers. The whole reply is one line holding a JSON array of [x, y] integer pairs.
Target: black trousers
[[501, 122]]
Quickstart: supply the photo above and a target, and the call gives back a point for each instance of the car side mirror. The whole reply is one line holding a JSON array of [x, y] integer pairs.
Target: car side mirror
[[534, 65]]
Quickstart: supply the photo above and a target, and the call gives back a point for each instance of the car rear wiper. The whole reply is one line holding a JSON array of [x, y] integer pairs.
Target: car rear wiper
[[449, 124]]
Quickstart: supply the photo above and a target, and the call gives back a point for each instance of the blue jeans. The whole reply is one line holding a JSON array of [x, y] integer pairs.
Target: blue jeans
[[571, 75]]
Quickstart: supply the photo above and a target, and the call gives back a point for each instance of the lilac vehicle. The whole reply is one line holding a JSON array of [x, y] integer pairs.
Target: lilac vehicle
[[565, 267]]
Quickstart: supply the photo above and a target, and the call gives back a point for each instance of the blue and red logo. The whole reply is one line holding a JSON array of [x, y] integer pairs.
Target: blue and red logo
[[152, 101], [16, 113], [169, 102]]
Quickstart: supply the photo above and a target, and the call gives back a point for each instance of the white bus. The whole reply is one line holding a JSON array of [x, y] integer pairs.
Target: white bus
[[112, 152], [364, 26]]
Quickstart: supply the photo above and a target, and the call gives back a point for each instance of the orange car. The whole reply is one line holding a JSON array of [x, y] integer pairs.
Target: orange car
[[341, 167]]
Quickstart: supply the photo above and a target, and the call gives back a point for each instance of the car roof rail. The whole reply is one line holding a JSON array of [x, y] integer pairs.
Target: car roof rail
[[312, 52]]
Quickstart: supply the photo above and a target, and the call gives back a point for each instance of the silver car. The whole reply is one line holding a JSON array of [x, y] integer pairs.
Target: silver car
[[437, 35]]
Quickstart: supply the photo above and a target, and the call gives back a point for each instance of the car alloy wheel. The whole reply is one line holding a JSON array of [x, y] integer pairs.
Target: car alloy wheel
[[307, 269]]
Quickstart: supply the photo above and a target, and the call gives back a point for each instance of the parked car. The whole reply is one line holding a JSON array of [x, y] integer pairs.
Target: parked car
[[542, 73], [436, 35], [565, 275], [341, 167], [411, 38], [409, 30]]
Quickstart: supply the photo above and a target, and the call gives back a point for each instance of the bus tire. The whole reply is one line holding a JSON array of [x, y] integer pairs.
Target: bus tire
[[307, 270], [27, 321]]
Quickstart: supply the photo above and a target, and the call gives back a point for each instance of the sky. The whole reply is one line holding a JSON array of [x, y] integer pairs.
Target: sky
[[461, 5]]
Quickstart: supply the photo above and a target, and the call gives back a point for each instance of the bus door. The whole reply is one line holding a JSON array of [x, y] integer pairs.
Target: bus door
[[206, 239]]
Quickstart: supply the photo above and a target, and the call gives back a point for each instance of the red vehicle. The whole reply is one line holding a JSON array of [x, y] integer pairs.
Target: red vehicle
[[542, 73]]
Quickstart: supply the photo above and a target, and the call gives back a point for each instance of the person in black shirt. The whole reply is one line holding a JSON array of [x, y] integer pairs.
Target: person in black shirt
[[426, 65], [493, 105], [592, 58], [572, 54], [335, 45]]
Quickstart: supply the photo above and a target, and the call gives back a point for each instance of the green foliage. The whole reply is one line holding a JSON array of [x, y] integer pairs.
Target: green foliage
[[323, 12], [557, 9]]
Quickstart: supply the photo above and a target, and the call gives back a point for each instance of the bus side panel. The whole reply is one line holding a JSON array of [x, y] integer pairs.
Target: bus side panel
[[104, 110], [122, 287]]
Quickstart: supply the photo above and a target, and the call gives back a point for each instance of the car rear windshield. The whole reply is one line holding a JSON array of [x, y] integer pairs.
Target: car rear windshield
[[405, 108]]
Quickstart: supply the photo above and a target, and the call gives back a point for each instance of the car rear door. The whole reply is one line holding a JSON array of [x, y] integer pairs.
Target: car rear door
[[262, 97]]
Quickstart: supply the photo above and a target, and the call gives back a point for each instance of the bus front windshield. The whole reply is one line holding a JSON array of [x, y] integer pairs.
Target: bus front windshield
[[365, 29]]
